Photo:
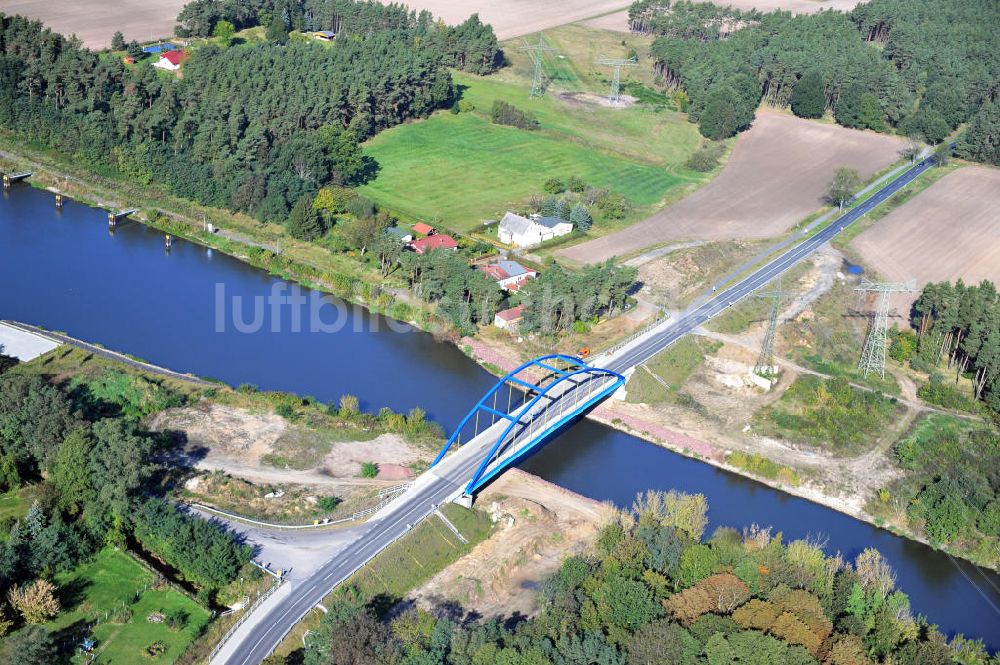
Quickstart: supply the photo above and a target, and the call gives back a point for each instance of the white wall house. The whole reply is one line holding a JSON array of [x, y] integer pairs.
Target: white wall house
[[527, 232]]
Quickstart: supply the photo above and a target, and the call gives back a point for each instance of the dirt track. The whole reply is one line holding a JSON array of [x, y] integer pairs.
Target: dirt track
[[949, 230], [775, 177]]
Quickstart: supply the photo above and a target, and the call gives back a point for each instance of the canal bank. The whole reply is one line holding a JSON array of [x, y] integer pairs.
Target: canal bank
[[124, 290]]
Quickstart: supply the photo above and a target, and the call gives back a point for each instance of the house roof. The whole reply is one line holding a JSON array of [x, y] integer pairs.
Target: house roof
[[495, 272], [173, 57], [329, 34], [515, 224], [420, 227], [512, 314], [396, 231], [513, 268], [440, 241], [550, 222]]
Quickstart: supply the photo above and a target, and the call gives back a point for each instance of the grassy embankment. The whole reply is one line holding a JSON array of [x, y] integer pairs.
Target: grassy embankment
[[460, 169], [673, 365], [427, 549]]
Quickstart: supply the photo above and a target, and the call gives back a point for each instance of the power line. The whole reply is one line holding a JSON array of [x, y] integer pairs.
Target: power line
[[764, 366], [873, 354], [616, 78], [538, 52]]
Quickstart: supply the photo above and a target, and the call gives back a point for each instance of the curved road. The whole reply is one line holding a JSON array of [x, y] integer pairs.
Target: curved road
[[447, 479]]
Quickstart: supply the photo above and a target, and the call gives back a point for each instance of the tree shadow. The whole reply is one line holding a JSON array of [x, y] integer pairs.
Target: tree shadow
[[71, 593], [370, 168]]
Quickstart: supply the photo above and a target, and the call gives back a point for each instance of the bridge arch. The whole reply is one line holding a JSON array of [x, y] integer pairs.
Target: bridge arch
[[567, 381]]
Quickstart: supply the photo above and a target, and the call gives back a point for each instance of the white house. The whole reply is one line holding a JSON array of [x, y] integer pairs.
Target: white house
[[527, 232], [509, 319]]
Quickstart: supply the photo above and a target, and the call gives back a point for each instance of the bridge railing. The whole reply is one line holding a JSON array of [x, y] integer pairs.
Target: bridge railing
[[553, 407]]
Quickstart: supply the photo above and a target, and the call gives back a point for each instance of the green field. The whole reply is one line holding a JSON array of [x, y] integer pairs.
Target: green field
[[461, 169], [104, 584]]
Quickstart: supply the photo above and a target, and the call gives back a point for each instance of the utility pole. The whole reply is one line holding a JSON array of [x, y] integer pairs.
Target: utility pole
[[616, 78], [765, 359], [538, 52], [873, 354]]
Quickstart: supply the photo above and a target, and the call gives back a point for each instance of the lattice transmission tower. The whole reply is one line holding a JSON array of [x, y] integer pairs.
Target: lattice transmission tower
[[538, 52], [765, 359], [617, 64], [873, 354]]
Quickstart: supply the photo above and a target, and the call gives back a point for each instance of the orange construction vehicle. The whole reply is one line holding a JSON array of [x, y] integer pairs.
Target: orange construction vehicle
[[583, 353]]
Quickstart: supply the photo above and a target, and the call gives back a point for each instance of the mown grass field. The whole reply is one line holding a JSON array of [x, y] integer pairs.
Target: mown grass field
[[103, 585], [458, 170]]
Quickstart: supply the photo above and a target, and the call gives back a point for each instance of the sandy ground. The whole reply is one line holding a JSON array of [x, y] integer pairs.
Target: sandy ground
[[776, 176], [234, 441], [540, 524], [722, 387], [94, 21], [619, 20], [949, 230]]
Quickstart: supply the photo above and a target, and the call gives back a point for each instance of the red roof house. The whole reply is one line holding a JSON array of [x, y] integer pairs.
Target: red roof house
[[423, 229], [170, 60], [440, 241]]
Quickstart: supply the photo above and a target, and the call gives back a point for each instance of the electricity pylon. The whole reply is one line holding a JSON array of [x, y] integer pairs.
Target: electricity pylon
[[616, 78], [873, 355], [538, 54], [765, 359]]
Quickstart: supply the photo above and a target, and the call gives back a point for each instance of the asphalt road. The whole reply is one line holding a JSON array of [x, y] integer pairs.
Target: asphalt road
[[443, 482]]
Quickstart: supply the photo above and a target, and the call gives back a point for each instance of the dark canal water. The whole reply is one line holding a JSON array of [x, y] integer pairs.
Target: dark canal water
[[185, 310]]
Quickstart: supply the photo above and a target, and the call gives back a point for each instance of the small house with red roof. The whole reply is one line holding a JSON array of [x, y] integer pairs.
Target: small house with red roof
[[438, 241], [509, 319], [170, 61], [423, 229]]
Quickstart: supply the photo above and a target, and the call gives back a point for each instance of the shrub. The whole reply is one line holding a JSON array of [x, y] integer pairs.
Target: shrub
[[946, 394], [507, 114], [35, 602], [554, 186], [328, 502], [613, 205], [705, 158], [576, 184], [177, 620], [369, 470]]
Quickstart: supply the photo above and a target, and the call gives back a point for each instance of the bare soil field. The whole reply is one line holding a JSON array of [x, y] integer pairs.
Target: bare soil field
[[949, 230], [776, 176], [619, 20], [514, 18], [95, 21], [540, 524]]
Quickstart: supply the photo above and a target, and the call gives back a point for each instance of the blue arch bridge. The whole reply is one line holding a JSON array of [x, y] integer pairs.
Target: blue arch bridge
[[522, 411]]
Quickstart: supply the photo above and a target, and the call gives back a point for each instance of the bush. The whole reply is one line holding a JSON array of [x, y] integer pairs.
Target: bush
[[705, 158], [465, 106], [328, 502], [369, 470], [576, 184], [507, 114], [613, 206], [946, 394], [554, 186]]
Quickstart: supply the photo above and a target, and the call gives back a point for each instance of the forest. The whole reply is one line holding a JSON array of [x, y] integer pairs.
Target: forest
[[654, 591], [920, 67], [471, 46], [960, 325], [249, 127], [80, 450]]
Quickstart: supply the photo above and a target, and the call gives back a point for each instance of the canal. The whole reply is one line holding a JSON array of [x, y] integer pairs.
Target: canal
[[195, 310]]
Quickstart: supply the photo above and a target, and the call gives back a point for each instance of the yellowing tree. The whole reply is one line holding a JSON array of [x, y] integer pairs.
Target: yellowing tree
[[36, 602]]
